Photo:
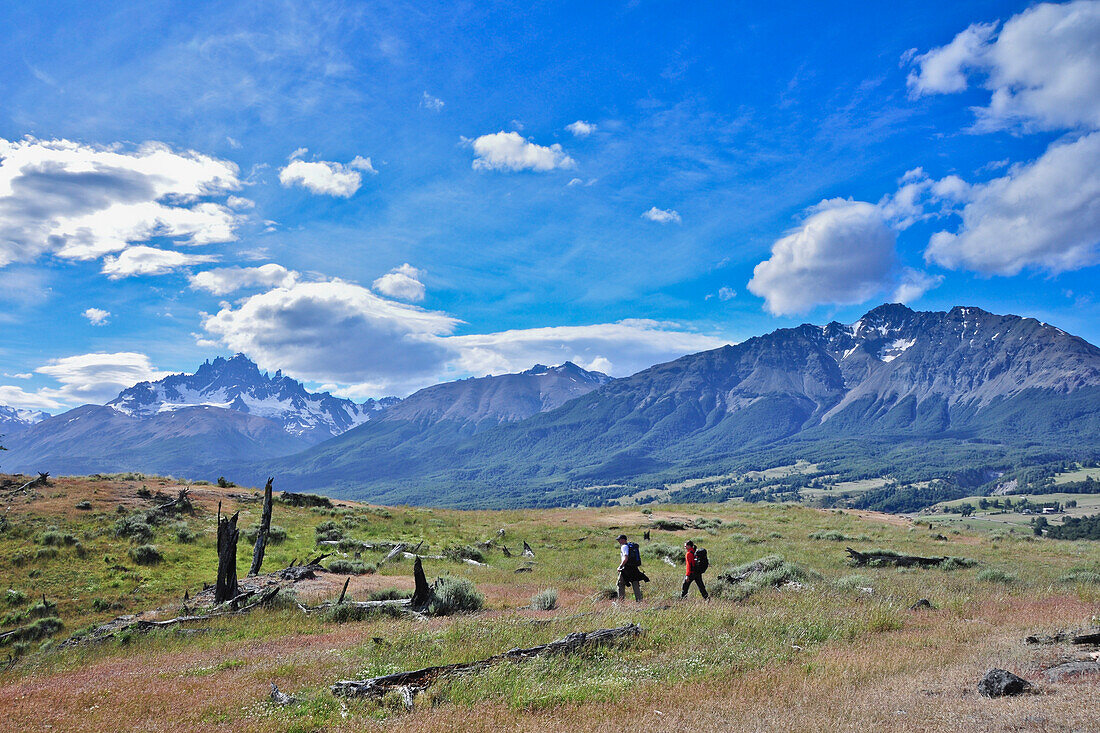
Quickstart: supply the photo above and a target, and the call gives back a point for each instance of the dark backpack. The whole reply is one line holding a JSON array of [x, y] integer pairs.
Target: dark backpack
[[633, 555], [701, 561]]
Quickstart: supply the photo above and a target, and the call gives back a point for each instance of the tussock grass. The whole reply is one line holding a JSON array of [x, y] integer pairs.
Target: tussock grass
[[351, 567], [545, 600], [452, 595], [996, 575]]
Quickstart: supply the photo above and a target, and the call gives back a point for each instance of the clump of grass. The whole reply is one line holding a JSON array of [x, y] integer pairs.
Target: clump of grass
[[146, 555], [995, 575], [1085, 577], [458, 553], [957, 563], [343, 613], [747, 539], [275, 534], [454, 595], [15, 597], [772, 571], [702, 523], [185, 534], [351, 567], [45, 553], [389, 594], [134, 527], [38, 629], [84, 505], [607, 593], [668, 525], [830, 535], [53, 538], [545, 600], [660, 550], [853, 582]]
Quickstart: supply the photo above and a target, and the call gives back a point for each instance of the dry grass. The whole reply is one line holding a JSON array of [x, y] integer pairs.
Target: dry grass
[[820, 658]]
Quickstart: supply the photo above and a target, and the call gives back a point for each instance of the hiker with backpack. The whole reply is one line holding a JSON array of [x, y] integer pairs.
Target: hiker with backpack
[[697, 564], [630, 568]]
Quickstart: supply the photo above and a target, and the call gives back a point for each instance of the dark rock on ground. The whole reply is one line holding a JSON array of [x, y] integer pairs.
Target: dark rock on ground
[[1001, 683]]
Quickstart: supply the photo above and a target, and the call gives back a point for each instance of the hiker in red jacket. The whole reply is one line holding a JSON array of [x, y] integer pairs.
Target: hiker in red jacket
[[694, 573]]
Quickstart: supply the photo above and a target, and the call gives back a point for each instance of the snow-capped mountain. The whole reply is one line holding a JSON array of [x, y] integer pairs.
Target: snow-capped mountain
[[15, 419], [237, 384]]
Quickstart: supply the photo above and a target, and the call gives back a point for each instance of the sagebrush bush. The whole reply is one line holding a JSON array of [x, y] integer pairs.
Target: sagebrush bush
[[995, 575], [53, 538], [545, 600], [351, 567], [15, 597], [853, 582], [458, 553], [1087, 577], [957, 563], [389, 594], [38, 629], [343, 613], [146, 555], [831, 535], [661, 549], [185, 534], [84, 505], [275, 534], [770, 571], [454, 595], [669, 525], [134, 527], [329, 532]]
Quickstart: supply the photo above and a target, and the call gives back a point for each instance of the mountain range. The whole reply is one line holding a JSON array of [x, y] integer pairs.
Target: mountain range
[[917, 395]]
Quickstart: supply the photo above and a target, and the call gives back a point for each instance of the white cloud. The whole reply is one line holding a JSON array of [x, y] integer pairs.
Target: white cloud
[[15, 397], [726, 293], [225, 280], [914, 284], [1043, 215], [81, 201], [619, 349], [844, 253], [149, 261], [97, 316], [662, 216], [335, 331], [95, 378], [512, 152], [240, 203], [428, 102], [580, 128], [325, 177], [402, 283], [1042, 69]]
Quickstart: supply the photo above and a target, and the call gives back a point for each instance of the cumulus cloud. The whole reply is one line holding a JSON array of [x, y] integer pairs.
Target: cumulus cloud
[[914, 284], [402, 283], [336, 331], [580, 128], [510, 151], [94, 378], [1043, 215], [149, 261], [428, 102], [620, 349], [82, 201], [1041, 69], [662, 216], [225, 280], [12, 396], [97, 316], [843, 253], [325, 177]]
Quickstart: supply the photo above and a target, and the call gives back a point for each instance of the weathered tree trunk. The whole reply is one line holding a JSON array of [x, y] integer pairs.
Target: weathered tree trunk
[[261, 536], [901, 561], [422, 592], [527, 551], [228, 534], [415, 681]]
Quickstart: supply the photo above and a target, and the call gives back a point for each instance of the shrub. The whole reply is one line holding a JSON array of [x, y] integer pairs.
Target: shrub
[[351, 567], [45, 553], [84, 505], [607, 593], [54, 538], [458, 553], [38, 629], [223, 484], [343, 613], [994, 575], [701, 523], [146, 555], [771, 571], [454, 595], [957, 563], [275, 534], [545, 600], [831, 535], [185, 534], [329, 531], [15, 597], [1086, 577], [134, 527], [853, 582], [660, 550], [669, 525]]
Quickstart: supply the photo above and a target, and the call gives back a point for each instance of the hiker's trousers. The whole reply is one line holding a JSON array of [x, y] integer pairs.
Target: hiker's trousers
[[696, 578]]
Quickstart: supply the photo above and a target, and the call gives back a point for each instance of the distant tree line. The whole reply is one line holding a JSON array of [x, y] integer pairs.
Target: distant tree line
[[1073, 528]]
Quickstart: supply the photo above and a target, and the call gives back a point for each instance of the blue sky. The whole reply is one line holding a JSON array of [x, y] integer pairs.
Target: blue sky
[[440, 190]]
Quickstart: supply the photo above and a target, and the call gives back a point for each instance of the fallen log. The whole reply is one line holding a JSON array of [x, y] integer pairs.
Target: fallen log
[[415, 681], [394, 553], [527, 551], [891, 558], [42, 478], [182, 503]]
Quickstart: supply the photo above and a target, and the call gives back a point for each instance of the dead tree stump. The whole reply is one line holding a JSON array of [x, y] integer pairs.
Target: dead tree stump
[[261, 536], [228, 534], [422, 593]]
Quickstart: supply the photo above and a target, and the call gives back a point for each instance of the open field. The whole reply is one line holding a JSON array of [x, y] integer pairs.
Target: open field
[[1079, 475], [822, 654], [1011, 521]]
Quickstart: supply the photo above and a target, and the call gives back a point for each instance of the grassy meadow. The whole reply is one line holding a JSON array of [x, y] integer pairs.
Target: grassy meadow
[[813, 644]]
